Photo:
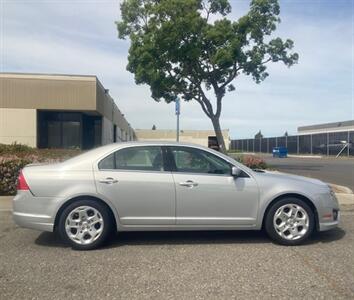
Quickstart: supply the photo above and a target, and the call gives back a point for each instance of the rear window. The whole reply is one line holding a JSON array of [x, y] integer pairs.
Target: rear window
[[134, 158]]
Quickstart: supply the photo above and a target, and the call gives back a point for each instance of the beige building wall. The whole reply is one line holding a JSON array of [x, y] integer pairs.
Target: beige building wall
[[57, 92], [18, 125], [199, 137], [79, 93]]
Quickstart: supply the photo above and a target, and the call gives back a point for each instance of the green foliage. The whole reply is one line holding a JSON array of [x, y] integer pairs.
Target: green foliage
[[15, 148], [175, 48], [9, 169], [186, 47]]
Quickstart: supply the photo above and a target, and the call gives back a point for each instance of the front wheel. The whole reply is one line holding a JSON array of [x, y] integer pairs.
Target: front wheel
[[85, 224], [289, 221]]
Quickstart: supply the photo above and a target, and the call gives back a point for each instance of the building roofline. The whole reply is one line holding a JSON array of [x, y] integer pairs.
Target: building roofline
[[52, 76], [332, 125]]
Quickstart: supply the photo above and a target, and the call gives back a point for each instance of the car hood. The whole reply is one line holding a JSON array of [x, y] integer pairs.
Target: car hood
[[278, 176]]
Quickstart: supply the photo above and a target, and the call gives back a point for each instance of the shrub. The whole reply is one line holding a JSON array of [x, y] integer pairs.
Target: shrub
[[9, 169], [253, 162], [15, 148]]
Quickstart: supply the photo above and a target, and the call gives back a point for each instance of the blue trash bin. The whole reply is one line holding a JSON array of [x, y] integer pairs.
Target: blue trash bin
[[280, 152]]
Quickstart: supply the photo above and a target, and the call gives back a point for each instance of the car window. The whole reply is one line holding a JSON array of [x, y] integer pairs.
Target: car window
[[134, 158], [193, 160]]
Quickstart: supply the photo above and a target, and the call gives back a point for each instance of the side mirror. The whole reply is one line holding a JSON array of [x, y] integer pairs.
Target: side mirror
[[236, 172]]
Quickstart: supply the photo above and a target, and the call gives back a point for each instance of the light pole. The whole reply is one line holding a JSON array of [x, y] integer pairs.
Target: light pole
[[177, 111]]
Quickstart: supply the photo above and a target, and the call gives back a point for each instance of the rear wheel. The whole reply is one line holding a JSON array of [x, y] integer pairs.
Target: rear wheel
[[85, 224], [289, 221]]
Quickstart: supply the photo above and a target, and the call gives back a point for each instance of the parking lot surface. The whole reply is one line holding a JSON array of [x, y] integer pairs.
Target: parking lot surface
[[338, 171], [169, 265]]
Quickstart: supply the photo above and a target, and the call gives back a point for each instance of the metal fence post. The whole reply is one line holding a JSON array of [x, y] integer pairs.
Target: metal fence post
[[348, 143], [311, 143], [247, 146], [260, 145], [286, 141], [267, 145], [298, 145], [327, 144], [253, 145], [276, 141]]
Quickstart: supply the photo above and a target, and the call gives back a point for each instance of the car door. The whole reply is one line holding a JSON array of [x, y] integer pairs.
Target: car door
[[134, 179], [207, 194]]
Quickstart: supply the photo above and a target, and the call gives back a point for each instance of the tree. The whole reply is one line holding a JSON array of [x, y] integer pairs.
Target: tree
[[153, 127], [286, 133], [258, 135], [191, 49]]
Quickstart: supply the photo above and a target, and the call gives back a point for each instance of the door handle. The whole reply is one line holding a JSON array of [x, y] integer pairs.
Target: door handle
[[108, 180], [188, 183]]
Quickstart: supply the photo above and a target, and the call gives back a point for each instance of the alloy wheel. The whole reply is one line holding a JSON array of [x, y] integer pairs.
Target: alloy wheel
[[84, 225], [291, 221]]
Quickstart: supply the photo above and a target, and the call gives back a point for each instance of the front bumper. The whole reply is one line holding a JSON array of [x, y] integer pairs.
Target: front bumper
[[330, 224], [329, 213], [34, 212]]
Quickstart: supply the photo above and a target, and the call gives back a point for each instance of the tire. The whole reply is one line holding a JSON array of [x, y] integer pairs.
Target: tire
[[85, 224], [286, 228]]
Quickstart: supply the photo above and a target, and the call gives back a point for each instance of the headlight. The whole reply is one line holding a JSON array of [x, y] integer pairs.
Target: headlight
[[333, 195]]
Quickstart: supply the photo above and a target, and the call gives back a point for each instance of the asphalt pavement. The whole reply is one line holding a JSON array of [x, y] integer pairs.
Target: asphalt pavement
[[338, 171], [171, 265]]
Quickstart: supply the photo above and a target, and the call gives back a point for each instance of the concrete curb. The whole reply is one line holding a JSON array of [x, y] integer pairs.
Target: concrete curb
[[304, 156], [340, 189], [345, 199]]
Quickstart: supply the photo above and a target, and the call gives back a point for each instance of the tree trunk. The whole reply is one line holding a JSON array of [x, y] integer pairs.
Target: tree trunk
[[218, 133]]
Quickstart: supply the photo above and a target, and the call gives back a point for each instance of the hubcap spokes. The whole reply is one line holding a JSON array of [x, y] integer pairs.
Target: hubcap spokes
[[84, 225], [291, 221]]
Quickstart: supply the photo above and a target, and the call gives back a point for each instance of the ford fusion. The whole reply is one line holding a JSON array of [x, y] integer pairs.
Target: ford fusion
[[139, 186]]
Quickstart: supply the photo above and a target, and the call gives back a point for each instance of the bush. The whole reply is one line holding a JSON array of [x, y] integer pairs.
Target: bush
[[15, 148], [253, 162], [16, 156], [9, 169]]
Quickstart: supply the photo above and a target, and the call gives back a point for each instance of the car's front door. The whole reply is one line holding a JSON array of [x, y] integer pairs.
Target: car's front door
[[206, 192], [134, 179]]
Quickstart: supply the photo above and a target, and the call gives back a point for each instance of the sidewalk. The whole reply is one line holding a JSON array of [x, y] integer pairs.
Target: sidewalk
[[5, 203]]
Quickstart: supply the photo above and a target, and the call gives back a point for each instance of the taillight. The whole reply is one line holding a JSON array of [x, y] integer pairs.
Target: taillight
[[21, 182]]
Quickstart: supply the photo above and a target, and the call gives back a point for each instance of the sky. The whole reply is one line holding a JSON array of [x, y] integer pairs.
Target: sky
[[80, 37]]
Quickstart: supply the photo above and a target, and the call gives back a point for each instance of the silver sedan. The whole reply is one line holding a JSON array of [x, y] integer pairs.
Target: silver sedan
[[139, 186]]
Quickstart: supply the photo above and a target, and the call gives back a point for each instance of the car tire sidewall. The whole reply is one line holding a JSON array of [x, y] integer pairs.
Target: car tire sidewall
[[107, 228], [269, 226]]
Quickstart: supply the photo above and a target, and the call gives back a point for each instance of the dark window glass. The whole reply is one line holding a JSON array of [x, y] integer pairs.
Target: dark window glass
[[134, 158], [198, 161], [54, 134], [107, 163], [71, 135]]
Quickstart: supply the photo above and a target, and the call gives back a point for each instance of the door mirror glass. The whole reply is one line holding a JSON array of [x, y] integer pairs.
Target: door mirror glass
[[236, 172]]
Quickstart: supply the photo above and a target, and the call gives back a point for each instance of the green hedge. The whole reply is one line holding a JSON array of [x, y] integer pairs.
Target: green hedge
[[9, 169]]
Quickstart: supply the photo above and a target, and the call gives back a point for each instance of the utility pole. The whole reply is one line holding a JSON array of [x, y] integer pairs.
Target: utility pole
[[177, 111]]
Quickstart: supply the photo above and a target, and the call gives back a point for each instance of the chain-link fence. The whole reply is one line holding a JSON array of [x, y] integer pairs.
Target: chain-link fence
[[339, 143]]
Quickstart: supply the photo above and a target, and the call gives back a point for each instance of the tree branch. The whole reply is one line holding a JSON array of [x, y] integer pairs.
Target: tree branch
[[232, 76], [203, 106]]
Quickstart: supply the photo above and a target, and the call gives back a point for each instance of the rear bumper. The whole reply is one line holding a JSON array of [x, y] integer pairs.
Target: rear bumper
[[38, 222], [35, 212]]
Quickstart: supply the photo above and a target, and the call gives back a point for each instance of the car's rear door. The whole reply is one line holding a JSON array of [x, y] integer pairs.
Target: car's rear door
[[134, 179], [207, 194]]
